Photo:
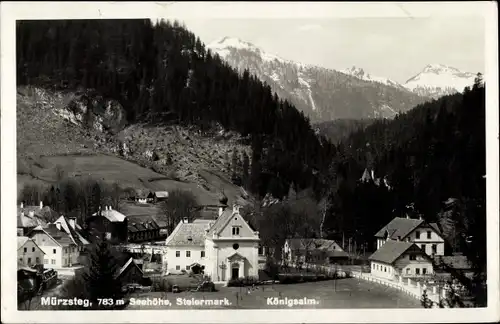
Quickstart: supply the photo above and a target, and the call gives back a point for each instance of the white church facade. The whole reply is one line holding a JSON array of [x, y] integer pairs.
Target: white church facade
[[224, 248]]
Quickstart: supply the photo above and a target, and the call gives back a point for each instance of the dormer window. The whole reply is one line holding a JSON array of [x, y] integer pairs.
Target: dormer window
[[236, 230], [417, 234]]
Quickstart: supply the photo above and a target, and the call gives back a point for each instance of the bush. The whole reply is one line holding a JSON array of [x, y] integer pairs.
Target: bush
[[161, 284], [243, 282]]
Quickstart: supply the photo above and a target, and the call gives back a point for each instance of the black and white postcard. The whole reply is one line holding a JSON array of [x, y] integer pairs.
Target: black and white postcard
[[229, 162]]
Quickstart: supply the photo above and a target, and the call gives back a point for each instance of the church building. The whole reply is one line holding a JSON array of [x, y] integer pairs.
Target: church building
[[224, 248]]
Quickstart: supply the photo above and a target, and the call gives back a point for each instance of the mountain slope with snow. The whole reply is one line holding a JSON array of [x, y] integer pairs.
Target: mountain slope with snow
[[361, 74], [437, 80], [322, 94]]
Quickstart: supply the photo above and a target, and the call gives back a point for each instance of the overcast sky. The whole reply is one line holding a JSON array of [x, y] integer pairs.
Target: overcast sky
[[397, 48]]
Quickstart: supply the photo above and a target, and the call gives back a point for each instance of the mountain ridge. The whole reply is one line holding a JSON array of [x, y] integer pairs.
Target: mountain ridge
[[322, 94], [433, 81]]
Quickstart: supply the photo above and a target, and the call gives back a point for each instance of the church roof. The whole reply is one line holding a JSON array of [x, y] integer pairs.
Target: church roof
[[221, 221]]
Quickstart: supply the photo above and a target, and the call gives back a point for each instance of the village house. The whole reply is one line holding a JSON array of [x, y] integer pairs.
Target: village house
[[29, 217], [159, 196], [313, 251], [28, 252], [70, 226], [59, 248], [223, 248], [142, 196], [130, 273], [108, 223], [400, 259], [143, 228], [425, 235]]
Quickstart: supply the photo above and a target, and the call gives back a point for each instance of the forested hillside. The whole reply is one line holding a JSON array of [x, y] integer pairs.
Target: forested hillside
[[339, 129], [162, 72], [430, 154]]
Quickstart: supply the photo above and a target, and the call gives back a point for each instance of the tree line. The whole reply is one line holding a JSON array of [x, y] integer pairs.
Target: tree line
[[71, 196], [159, 70]]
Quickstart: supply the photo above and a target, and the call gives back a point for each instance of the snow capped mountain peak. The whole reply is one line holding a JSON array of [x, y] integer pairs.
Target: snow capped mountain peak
[[233, 42], [438, 79], [361, 74], [439, 68], [356, 71], [227, 45]]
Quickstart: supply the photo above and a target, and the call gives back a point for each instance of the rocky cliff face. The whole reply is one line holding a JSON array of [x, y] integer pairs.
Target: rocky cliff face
[[93, 111]]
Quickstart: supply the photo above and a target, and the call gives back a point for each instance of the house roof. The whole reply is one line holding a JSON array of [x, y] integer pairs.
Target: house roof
[[112, 215], [391, 250], [313, 244], [188, 234], [141, 223], [74, 233], [129, 263], [41, 216], [399, 226], [58, 235], [21, 240], [142, 194], [161, 194], [161, 223], [45, 214]]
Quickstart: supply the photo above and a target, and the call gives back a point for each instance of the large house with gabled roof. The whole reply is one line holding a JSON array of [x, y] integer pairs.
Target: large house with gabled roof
[[425, 235], [59, 248], [224, 248], [400, 259], [75, 232]]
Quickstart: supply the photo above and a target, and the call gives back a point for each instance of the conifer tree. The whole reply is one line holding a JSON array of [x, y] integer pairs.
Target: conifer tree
[[100, 277]]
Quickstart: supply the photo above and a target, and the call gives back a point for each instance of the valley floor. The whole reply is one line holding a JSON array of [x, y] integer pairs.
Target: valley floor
[[343, 293]]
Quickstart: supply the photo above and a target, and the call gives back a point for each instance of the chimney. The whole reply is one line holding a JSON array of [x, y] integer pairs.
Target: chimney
[[185, 220], [41, 204], [236, 208], [221, 210], [407, 216], [373, 175], [419, 217], [109, 208], [58, 225], [22, 204], [72, 222]]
